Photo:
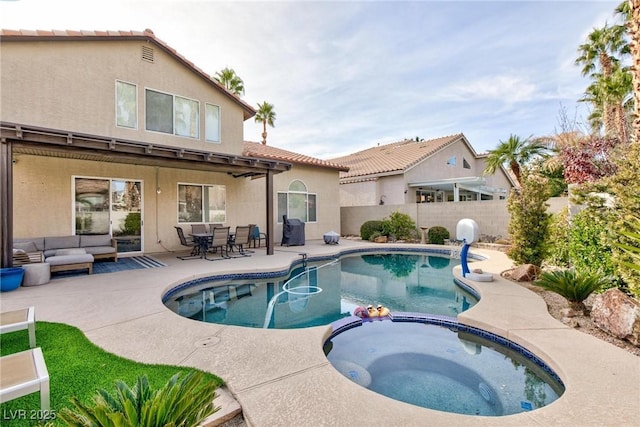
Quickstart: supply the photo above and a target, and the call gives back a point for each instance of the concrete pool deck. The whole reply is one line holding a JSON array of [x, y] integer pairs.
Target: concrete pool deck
[[282, 378]]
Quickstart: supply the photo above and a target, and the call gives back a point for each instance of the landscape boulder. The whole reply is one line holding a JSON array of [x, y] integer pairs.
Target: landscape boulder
[[618, 314], [524, 273]]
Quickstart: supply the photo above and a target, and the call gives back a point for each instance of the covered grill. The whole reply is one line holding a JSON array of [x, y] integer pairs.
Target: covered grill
[[292, 232]]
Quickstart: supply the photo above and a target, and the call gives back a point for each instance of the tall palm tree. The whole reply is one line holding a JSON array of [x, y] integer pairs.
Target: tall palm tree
[[611, 100], [599, 54], [515, 153], [630, 12], [228, 78], [266, 116]]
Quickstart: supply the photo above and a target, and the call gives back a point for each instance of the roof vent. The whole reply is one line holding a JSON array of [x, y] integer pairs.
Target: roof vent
[[147, 54]]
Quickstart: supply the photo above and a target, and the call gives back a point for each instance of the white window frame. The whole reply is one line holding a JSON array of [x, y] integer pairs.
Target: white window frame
[[195, 127], [208, 125], [306, 195], [204, 210], [122, 106]]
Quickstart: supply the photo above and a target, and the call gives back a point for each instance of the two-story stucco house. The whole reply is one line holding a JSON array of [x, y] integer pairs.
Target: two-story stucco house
[[115, 132], [444, 169]]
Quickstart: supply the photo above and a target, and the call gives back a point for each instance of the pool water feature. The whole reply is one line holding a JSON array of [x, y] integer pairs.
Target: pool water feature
[[318, 292], [436, 363]]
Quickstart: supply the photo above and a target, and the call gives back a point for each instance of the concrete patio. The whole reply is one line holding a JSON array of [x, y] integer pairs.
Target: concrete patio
[[282, 378]]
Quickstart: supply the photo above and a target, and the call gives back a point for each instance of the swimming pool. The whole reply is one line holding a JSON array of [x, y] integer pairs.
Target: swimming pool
[[439, 364], [318, 292]]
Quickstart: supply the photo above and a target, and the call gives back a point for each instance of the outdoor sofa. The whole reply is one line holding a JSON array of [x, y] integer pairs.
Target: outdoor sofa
[[69, 252]]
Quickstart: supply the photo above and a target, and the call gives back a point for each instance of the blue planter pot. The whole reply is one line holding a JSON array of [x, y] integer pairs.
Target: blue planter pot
[[10, 278]]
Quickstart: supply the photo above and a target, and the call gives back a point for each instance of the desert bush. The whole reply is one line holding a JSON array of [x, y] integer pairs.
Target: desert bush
[[370, 227], [183, 401], [590, 243], [399, 225], [572, 285], [558, 239], [529, 220], [625, 185], [437, 235]]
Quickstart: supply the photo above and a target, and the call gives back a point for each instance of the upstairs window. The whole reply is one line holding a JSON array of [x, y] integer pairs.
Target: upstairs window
[[212, 123], [171, 114], [126, 105], [451, 161], [465, 164]]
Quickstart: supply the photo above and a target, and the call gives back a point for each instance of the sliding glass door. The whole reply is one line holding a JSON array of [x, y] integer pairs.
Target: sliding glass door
[[110, 206]]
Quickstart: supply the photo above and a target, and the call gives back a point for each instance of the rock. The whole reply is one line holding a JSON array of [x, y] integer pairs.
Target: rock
[[618, 314], [524, 273], [380, 239]]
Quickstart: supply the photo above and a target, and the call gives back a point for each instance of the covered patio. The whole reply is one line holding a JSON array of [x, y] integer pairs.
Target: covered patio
[[16, 140]]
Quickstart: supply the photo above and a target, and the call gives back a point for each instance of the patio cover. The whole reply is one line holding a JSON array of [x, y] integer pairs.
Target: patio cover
[[17, 138]]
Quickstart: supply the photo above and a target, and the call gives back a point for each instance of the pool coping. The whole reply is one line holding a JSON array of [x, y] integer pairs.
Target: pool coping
[[281, 377]]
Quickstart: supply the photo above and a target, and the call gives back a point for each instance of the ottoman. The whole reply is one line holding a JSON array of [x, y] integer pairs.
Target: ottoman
[[71, 262], [37, 273]]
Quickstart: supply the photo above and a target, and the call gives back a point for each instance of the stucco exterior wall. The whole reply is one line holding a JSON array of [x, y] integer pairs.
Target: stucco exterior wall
[[78, 94], [44, 202], [359, 194]]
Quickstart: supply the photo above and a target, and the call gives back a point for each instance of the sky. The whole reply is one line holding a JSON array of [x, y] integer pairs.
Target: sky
[[344, 76]]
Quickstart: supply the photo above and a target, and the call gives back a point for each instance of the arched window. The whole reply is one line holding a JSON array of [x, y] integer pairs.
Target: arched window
[[297, 203]]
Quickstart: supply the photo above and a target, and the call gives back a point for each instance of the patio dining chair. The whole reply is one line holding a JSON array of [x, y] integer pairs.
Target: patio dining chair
[[220, 241], [257, 237], [242, 238], [198, 228], [195, 246]]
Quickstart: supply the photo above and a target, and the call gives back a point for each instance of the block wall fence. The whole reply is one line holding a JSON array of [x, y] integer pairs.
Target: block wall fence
[[491, 215]]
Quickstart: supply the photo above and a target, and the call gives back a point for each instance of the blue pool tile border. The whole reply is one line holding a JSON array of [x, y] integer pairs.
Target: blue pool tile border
[[279, 273], [347, 323]]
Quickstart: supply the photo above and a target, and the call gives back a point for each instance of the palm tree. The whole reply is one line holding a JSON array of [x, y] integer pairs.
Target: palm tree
[[267, 116], [611, 101], [599, 53], [515, 152], [630, 12], [228, 78]]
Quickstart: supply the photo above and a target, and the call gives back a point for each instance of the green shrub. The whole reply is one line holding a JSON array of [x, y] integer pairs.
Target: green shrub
[[558, 239], [399, 225], [529, 221], [574, 286], [132, 224], [590, 242], [370, 227], [625, 185], [185, 402], [437, 235]]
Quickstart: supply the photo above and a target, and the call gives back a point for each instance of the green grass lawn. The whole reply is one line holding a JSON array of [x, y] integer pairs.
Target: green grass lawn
[[76, 367]]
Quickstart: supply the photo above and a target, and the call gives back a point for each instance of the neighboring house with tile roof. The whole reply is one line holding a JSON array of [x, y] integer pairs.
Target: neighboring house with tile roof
[[106, 127], [445, 169]]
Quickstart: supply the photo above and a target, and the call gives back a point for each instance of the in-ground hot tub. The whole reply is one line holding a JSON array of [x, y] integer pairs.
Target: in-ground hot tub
[[437, 363]]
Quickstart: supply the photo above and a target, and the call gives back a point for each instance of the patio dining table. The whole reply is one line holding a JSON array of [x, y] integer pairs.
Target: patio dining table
[[203, 240]]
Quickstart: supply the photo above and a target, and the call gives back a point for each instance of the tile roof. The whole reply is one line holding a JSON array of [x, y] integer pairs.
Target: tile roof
[[394, 157], [146, 35], [263, 151]]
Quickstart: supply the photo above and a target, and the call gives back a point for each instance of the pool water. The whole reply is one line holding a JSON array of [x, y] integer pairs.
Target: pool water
[[318, 293], [444, 368]]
